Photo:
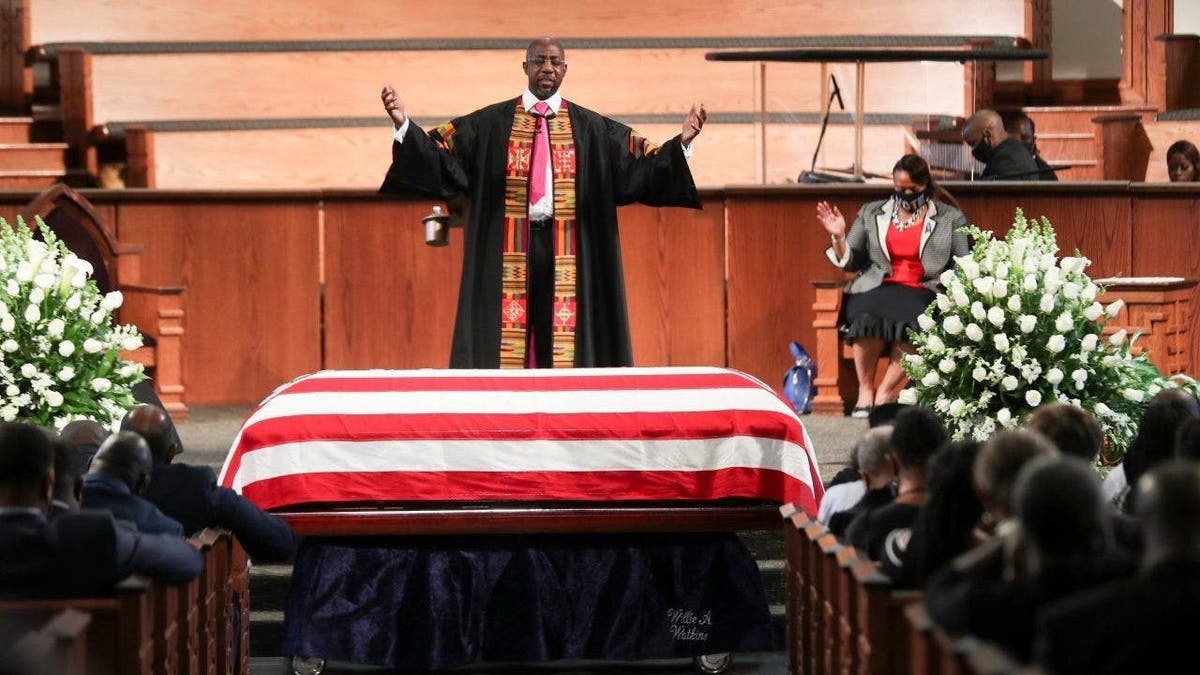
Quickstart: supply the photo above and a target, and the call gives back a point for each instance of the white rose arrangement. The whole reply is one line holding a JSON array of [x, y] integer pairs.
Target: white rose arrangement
[[1021, 328], [59, 352]]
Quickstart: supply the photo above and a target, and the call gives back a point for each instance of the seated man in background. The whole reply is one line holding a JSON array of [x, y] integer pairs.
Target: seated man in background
[[119, 475], [1022, 129], [76, 554], [1145, 624], [190, 494], [1003, 156], [70, 464], [877, 470], [85, 435]]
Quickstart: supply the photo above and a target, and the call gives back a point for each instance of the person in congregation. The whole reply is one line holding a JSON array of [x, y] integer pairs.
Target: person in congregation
[[76, 554], [85, 435], [70, 464], [882, 534], [877, 472], [1003, 156], [1187, 440], [537, 216], [1022, 128], [190, 494], [900, 247], [1145, 624], [116, 481], [1154, 442], [1183, 162]]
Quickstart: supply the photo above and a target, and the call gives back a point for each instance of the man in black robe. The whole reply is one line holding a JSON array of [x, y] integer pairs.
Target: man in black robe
[[473, 156]]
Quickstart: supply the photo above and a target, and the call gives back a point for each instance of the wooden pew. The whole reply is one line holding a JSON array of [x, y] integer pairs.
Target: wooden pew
[[814, 626], [796, 639], [1131, 147], [59, 647]]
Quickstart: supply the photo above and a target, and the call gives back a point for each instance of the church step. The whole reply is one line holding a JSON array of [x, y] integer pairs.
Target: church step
[[29, 180], [16, 129], [33, 156]]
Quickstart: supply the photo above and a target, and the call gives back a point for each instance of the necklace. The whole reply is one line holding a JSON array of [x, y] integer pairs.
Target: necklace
[[912, 219]]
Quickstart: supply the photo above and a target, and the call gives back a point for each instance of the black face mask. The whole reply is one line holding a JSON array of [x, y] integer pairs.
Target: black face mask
[[911, 202], [982, 150]]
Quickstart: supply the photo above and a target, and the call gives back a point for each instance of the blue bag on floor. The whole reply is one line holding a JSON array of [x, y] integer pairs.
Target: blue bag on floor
[[799, 382]]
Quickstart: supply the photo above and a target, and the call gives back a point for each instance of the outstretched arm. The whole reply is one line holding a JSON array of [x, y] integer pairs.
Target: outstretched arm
[[652, 175], [434, 164]]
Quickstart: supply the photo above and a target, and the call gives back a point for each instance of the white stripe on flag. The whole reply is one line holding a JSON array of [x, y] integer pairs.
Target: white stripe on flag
[[521, 374]]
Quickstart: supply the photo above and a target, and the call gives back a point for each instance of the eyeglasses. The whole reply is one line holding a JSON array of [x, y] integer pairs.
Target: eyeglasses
[[543, 60]]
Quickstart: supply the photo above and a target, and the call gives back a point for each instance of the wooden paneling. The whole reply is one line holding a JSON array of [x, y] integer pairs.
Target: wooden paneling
[[389, 299], [252, 297], [1144, 57], [674, 262], [1181, 73], [1167, 236], [184, 20], [16, 81]]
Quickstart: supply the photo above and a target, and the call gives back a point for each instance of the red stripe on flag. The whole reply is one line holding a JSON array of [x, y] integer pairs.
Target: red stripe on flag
[[624, 382], [531, 486]]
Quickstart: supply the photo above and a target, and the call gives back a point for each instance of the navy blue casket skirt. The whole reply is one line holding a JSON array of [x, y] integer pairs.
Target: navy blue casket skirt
[[433, 603]]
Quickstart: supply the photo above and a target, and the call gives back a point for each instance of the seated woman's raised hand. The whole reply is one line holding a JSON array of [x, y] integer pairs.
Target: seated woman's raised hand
[[831, 219]]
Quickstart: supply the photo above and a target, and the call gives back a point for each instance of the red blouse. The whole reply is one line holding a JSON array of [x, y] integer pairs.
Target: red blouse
[[904, 247]]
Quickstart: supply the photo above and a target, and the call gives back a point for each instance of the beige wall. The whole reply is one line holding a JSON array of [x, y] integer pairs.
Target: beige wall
[[1187, 16], [1087, 38]]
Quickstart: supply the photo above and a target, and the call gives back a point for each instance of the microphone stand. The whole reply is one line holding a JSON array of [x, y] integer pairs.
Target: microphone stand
[[835, 93]]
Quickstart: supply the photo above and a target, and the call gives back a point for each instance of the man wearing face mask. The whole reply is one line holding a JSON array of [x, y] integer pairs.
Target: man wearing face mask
[[1004, 157]]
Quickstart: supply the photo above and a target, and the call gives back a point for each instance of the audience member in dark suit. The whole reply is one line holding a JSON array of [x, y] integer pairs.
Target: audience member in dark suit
[[85, 435], [1155, 440], [1023, 129], [945, 527], [190, 494], [882, 534], [118, 477], [1003, 156], [69, 467], [1187, 440], [1065, 547], [877, 470], [75, 554], [1146, 624]]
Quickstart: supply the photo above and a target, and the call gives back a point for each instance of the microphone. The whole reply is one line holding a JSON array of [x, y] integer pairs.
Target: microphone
[[837, 92]]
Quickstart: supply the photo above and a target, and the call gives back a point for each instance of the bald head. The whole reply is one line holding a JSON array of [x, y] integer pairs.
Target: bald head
[[152, 424], [124, 455], [1168, 505], [85, 435], [984, 126], [536, 45]]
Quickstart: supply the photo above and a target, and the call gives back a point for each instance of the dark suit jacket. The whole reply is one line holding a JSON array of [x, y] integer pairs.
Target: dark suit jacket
[[1010, 161], [1047, 173], [1143, 625], [108, 493], [83, 554], [190, 495]]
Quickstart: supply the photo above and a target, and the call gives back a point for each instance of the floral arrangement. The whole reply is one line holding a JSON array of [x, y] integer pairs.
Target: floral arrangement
[[59, 352], [1018, 327]]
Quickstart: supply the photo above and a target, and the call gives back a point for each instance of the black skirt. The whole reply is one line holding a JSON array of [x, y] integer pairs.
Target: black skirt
[[887, 312]]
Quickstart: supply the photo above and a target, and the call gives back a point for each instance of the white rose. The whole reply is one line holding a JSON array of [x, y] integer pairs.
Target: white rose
[[996, 316], [931, 379], [1102, 409], [12, 390], [1093, 311], [943, 302], [952, 325], [131, 342], [55, 328], [1064, 322], [12, 287], [1000, 289], [1033, 397], [1027, 322], [1110, 360], [1047, 261], [908, 396], [1134, 395], [1004, 417], [984, 285], [1056, 343], [1089, 292], [1070, 264], [974, 333], [33, 314], [1029, 283], [1118, 338], [66, 348], [10, 345], [24, 272], [7, 323], [977, 311], [99, 316], [53, 398], [92, 346], [1089, 342], [66, 373], [1014, 303], [946, 277], [112, 300], [957, 406], [74, 302], [101, 384], [131, 369], [28, 371], [925, 322], [979, 374], [947, 366], [1070, 290], [1115, 308], [1009, 383], [1001, 342], [1079, 375], [1046, 304], [960, 297], [970, 268], [36, 296], [1002, 270], [935, 344], [1051, 277], [44, 281]]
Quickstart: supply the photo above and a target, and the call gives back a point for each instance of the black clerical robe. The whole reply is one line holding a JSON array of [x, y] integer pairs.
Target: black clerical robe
[[608, 174]]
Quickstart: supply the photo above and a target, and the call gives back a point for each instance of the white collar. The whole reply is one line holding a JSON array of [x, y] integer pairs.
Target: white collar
[[529, 100]]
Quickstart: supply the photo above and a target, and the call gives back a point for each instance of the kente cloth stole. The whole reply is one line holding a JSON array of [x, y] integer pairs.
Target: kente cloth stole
[[513, 300]]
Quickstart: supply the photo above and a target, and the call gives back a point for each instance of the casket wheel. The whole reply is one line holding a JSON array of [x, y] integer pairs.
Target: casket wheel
[[713, 663], [308, 665]]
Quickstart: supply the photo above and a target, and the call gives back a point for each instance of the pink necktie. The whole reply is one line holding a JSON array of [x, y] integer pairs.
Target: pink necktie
[[541, 152]]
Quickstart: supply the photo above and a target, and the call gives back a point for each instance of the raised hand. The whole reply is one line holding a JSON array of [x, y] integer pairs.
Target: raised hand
[[831, 219], [693, 123], [393, 105]]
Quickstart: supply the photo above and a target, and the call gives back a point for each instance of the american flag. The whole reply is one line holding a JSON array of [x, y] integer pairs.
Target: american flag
[[577, 435]]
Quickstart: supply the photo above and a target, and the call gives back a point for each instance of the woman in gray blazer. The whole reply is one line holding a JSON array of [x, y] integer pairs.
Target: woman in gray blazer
[[899, 247]]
